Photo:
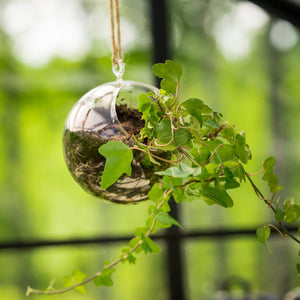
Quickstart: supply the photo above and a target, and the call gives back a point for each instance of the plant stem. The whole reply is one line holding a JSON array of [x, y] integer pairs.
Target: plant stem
[[30, 290], [257, 173], [274, 227], [259, 194], [157, 157], [269, 204], [282, 227]]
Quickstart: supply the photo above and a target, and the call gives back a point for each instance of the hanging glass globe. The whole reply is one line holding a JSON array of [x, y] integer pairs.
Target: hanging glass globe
[[108, 113]]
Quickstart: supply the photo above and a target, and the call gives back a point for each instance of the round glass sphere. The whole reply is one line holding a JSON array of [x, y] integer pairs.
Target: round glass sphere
[[108, 113]]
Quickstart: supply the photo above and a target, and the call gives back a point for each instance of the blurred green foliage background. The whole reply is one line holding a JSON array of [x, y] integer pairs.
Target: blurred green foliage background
[[234, 56]]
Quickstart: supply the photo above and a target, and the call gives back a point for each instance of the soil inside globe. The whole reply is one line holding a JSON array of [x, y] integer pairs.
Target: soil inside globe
[[130, 119]]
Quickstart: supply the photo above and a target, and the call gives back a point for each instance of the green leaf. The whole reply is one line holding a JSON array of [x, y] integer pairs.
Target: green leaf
[[179, 196], [145, 246], [165, 218], [263, 234], [269, 176], [231, 165], [240, 148], [118, 161], [194, 107], [236, 169], [279, 214], [131, 259], [163, 131], [182, 137], [213, 144], [231, 184], [105, 277], [164, 135], [292, 213], [182, 171], [155, 113], [224, 153], [184, 196], [272, 180], [171, 182], [144, 106], [201, 155], [170, 72], [195, 129], [287, 202], [77, 277], [133, 242], [298, 268], [218, 195], [211, 123], [166, 207], [211, 168], [149, 245], [167, 181], [154, 247], [156, 193], [269, 163], [228, 133]]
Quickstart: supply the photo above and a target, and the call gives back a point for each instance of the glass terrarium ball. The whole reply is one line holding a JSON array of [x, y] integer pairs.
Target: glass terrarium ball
[[108, 113]]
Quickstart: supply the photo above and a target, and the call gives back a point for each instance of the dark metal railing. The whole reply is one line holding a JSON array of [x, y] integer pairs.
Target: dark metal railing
[[104, 240]]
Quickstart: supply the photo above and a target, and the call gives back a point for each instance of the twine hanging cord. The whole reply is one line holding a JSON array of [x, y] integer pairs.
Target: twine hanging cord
[[114, 12]]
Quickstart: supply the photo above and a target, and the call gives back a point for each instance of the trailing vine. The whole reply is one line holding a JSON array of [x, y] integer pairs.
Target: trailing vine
[[207, 157]]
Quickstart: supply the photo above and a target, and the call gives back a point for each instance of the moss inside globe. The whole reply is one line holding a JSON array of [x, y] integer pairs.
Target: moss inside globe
[[109, 113]]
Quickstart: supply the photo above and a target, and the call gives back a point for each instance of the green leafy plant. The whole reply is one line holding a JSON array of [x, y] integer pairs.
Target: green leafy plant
[[207, 159]]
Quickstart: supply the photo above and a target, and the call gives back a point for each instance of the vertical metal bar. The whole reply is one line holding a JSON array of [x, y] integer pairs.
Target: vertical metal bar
[[160, 32], [161, 52], [175, 258]]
